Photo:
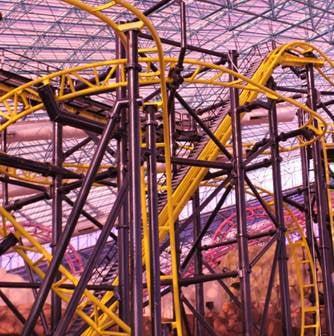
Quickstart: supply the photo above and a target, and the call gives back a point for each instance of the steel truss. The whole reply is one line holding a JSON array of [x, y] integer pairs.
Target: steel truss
[[161, 165]]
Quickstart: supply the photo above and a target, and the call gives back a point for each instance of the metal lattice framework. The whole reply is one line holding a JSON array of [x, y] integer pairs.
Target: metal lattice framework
[[155, 126]]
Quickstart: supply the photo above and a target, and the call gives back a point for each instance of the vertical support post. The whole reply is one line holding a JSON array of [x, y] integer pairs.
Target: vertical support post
[[176, 80], [326, 253], [123, 221], [307, 190], [239, 181], [199, 290], [135, 204], [56, 214], [5, 195], [153, 222], [172, 123], [183, 318], [183, 28], [279, 212]]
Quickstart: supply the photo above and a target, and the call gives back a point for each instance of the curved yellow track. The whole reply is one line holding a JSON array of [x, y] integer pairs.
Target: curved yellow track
[[251, 88], [304, 267], [215, 76], [250, 92], [16, 104]]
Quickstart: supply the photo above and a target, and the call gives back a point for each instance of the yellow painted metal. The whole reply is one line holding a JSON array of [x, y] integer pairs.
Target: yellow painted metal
[[210, 152], [11, 113], [97, 11], [305, 270], [130, 26], [146, 241], [325, 147], [304, 267], [195, 174], [10, 223], [147, 50], [251, 88]]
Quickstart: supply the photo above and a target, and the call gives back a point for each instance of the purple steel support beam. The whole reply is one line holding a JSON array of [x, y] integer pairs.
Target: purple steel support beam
[[22, 184], [326, 252], [156, 7], [36, 285], [261, 201], [205, 128], [189, 47], [223, 285], [271, 283], [42, 168], [90, 217], [199, 317], [206, 226], [172, 124], [5, 197], [204, 203], [153, 222], [72, 221], [204, 278], [264, 249], [203, 163], [177, 79], [306, 190], [76, 147], [136, 267], [239, 178], [123, 221], [279, 214], [183, 21], [228, 242], [91, 263], [199, 289], [57, 214]]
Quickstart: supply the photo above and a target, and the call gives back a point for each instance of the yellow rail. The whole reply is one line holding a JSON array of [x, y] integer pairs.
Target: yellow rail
[[16, 105], [304, 267], [31, 245], [325, 147], [250, 90]]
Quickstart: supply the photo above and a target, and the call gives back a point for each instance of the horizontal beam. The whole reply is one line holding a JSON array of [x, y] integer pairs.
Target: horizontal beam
[[201, 163], [45, 169], [35, 285], [56, 114]]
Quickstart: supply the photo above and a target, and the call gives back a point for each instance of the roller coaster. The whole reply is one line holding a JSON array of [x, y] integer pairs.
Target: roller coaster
[[162, 166]]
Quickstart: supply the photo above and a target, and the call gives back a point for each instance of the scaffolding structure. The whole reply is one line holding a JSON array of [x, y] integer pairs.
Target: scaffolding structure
[[168, 156]]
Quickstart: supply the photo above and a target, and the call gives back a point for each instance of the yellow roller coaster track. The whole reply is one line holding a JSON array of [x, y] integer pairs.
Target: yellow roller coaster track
[[17, 104], [250, 90], [14, 105], [325, 148], [303, 265], [253, 87]]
